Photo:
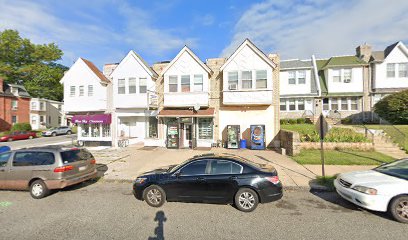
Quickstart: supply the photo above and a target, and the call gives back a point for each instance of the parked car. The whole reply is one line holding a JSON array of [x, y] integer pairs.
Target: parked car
[[211, 178], [64, 130], [18, 136], [45, 168], [383, 189]]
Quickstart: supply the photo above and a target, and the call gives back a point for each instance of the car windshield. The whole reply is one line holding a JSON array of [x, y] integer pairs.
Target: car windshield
[[174, 168], [397, 169]]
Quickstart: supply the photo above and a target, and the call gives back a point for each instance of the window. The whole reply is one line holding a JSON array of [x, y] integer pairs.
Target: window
[[33, 120], [85, 130], [95, 130], [41, 118], [90, 92], [194, 168], [14, 104], [42, 106], [205, 128], [301, 77], [105, 130], [283, 104], [301, 104], [334, 104], [198, 83], [292, 105], [81, 91], [354, 104], [403, 70], [153, 122], [173, 84], [72, 91], [185, 83], [246, 79], [347, 75], [325, 104], [232, 80], [344, 104], [59, 120], [71, 156], [292, 77], [142, 85], [390, 70], [121, 86], [261, 79], [132, 85], [4, 157], [33, 159], [14, 119], [336, 75], [33, 105], [225, 167]]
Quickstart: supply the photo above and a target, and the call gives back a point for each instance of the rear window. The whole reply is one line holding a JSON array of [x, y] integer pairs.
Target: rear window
[[33, 159], [76, 155]]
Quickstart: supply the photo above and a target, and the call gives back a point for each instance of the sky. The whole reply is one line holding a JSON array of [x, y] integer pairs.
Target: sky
[[104, 31]]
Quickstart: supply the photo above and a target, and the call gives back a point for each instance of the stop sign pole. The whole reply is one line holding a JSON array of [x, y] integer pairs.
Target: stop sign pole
[[322, 128]]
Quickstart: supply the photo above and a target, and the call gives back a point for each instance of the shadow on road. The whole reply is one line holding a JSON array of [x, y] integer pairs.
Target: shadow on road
[[101, 168], [159, 230]]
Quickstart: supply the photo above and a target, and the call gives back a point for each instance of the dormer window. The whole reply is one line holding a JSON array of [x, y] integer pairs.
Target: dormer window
[[301, 76], [14, 91], [336, 75], [292, 77]]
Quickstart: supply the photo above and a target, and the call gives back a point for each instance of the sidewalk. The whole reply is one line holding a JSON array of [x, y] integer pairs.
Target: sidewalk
[[331, 170]]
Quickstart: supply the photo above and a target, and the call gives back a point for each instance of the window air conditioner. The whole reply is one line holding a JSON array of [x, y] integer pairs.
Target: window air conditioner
[[233, 86], [347, 80]]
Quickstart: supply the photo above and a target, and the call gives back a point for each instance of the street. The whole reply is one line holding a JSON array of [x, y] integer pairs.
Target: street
[[109, 211], [37, 142]]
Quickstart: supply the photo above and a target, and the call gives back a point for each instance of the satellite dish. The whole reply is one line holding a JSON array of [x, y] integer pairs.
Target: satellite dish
[[196, 107]]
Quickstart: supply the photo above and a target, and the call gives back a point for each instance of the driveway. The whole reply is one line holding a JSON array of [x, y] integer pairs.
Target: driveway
[[38, 142]]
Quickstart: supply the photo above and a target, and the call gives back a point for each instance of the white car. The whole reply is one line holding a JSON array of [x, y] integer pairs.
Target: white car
[[383, 189]]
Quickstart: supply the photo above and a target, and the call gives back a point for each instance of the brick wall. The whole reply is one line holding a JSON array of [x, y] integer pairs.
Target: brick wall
[[6, 112]]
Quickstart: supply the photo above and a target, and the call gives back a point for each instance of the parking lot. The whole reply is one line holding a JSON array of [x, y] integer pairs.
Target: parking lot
[[109, 211]]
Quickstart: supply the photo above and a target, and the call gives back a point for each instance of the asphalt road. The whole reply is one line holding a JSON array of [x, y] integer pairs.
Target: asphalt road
[[109, 211], [36, 142]]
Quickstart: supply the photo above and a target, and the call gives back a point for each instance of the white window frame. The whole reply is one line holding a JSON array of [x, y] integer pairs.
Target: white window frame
[[72, 91], [247, 79], [184, 77], [142, 85], [292, 79], [81, 91], [233, 84], [405, 72], [90, 90], [121, 86], [174, 83], [298, 76], [391, 73], [259, 77], [14, 104], [347, 79], [336, 75], [132, 89], [198, 83]]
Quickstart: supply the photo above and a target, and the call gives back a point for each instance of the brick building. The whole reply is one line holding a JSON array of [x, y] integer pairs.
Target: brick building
[[14, 105]]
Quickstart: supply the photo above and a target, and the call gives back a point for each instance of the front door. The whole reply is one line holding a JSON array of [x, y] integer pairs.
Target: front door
[[4, 158], [188, 135], [325, 106], [172, 135]]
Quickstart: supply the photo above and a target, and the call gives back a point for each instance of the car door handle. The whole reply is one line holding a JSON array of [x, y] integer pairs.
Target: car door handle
[[200, 179], [233, 178]]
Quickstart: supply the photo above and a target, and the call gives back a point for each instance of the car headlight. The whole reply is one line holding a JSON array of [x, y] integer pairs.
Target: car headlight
[[366, 190], [140, 180]]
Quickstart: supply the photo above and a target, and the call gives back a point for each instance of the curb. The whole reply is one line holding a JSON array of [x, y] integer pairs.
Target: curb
[[319, 188]]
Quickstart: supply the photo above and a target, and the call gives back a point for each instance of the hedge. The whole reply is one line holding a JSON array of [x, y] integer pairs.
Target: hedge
[[21, 127]]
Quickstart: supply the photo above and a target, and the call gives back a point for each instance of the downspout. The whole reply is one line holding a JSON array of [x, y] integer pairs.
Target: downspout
[[316, 76]]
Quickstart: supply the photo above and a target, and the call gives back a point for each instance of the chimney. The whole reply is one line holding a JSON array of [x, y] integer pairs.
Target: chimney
[[364, 52], [1, 85]]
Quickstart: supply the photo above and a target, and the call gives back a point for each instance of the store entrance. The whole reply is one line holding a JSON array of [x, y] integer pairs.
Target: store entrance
[[180, 133]]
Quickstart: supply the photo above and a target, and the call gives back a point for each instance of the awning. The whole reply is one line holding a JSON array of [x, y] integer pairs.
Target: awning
[[90, 119], [209, 112]]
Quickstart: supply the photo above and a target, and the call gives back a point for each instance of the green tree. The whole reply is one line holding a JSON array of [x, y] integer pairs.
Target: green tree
[[394, 108], [33, 65]]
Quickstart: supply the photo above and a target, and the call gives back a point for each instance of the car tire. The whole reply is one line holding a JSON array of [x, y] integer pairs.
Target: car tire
[[38, 189], [398, 209], [30, 137], [246, 200], [154, 196], [69, 132], [54, 134]]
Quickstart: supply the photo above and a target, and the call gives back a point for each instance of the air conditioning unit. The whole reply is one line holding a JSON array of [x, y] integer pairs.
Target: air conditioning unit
[[233, 86], [347, 80], [14, 108]]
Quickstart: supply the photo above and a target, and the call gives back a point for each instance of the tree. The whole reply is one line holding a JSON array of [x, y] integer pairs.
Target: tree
[[394, 108], [33, 65]]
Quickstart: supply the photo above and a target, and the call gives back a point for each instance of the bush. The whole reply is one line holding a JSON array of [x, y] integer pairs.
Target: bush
[[346, 121], [344, 135], [284, 121], [301, 121], [292, 121], [21, 127], [394, 108]]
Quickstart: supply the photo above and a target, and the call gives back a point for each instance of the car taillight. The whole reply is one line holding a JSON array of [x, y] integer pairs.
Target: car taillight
[[273, 179], [64, 168], [93, 161]]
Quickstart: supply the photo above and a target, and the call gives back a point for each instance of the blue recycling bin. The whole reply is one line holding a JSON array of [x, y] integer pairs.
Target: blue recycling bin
[[242, 143]]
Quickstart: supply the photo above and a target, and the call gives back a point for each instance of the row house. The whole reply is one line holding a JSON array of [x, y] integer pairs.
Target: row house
[[45, 113], [14, 105], [183, 103]]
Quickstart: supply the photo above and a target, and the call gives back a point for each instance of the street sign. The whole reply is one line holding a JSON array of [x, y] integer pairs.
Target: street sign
[[322, 127]]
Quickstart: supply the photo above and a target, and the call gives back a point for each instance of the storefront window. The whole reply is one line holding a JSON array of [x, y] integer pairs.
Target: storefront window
[[95, 130], [153, 122], [105, 130], [205, 128], [85, 130]]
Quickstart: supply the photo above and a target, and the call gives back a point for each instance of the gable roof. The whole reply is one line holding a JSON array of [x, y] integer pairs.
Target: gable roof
[[380, 56], [389, 49], [141, 61], [254, 48], [22, 91], [295, 64], [192, 54], [95, 70], [377, 56], [343, 61]]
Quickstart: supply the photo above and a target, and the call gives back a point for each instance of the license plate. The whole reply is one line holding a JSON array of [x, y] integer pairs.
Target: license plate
[[82, 168]]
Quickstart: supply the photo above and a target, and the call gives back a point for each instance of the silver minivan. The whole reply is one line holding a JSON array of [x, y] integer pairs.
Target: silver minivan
[[45, 168]]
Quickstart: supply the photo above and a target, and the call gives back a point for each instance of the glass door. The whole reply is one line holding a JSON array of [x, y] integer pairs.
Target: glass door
[[172, 135]]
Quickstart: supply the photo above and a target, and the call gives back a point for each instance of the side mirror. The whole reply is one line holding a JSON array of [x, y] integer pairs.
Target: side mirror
[[177, 174]]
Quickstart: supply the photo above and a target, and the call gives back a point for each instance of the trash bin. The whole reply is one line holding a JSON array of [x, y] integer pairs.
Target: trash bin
[[242, 143]]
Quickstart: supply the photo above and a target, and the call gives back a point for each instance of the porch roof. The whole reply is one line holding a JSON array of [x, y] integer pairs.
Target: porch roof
[[209, 112]]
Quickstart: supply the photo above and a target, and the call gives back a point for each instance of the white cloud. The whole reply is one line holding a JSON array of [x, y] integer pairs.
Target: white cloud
[[297, 29]]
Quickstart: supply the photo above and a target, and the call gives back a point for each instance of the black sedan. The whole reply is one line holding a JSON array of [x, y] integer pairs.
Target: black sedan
[[211, 178]]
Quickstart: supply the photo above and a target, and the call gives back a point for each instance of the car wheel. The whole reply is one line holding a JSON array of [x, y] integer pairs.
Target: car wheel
[[54, 134], [246, 200], [30, 137], [69, 132], [399, 209], [154, 196], [38, 189]]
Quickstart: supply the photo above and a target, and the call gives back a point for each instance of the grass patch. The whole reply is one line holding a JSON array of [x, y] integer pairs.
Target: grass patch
[[394, 134], [308, 133], [342, 157], [327, 181]]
